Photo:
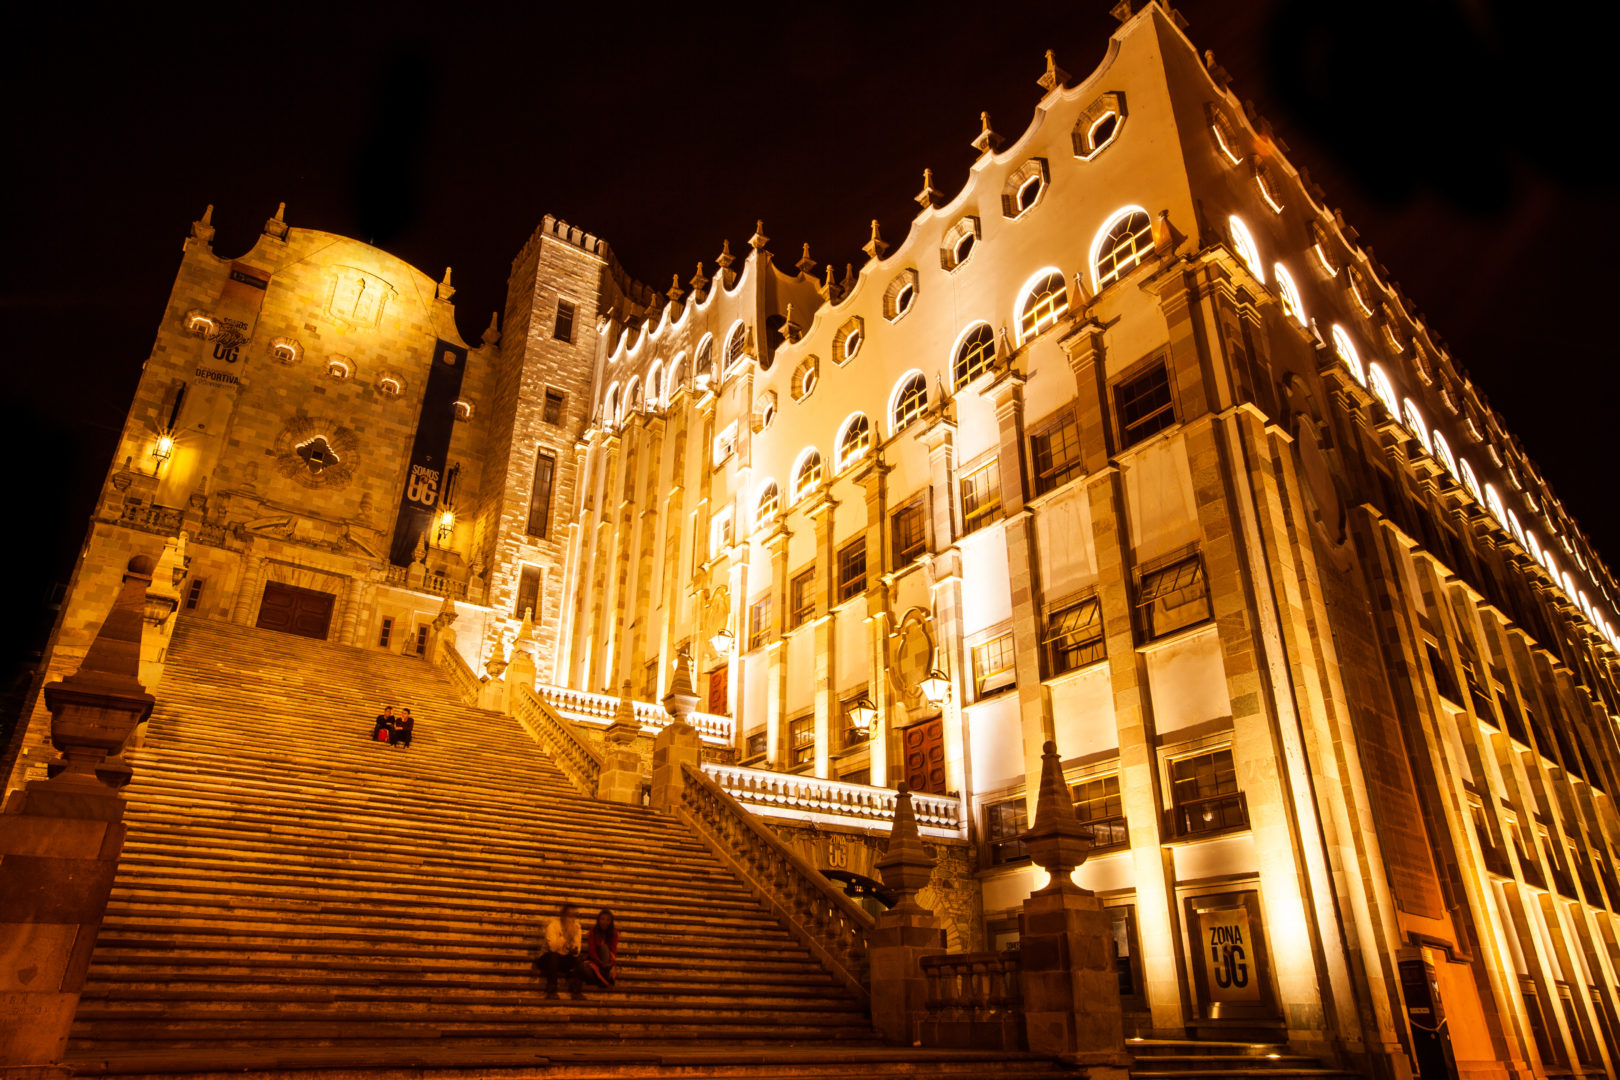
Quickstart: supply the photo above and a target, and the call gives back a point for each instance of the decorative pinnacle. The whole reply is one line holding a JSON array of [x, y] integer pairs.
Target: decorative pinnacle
[[1055, 76], [725, 258], [277, 226], [698, 283], [445, 290], [208, 214], [875, 247], [492, 332], [204, 229], [806, 263], [1057, 842], [829, 288], [987, 142], [848, 284], [929, 196], [675, 292], [789, 329], [759, 239]]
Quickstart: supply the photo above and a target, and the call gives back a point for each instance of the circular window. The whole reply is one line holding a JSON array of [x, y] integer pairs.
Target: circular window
[[964, 248], [1028, 193], [904, 298], [852, 344]]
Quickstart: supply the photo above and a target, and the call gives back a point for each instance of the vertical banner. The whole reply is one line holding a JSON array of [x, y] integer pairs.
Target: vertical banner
[[236, 314], [1229, 962], [424, 480]]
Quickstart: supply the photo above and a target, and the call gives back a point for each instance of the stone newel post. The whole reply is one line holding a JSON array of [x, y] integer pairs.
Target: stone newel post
[[620, 780], [905, 933], [520, 669], [60, 839], [1071, 991], [442, 631], [678, 744]]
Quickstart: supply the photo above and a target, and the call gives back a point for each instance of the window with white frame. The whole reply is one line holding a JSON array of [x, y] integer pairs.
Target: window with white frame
[[993, 667], [1045, 301], [1123, 241], [768, 504], [725, 444], [735, 342], [1073, 636], [721, 532], [1098, 125], [909, 400], [807, 475], [854, 441], [847, 342], [958, 243], [975, 354], [704, 365]]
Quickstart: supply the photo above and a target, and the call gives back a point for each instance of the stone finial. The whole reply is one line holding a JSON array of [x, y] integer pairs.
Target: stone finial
[[1055, 76], [277, 226], [445, 290], [759, 239], [1217, 74], [806, 264], [1057, 842], [829, 288], [1121, 11], [848, 284], [929, 196], [875, 247], [625, 726], [698, 283], [790, 330], [725, 258], [447, 613], [906, 866], [420, 554], [675, 292], [681, 700], [203, 228], [94, 710], [987, 141], [492, 332]]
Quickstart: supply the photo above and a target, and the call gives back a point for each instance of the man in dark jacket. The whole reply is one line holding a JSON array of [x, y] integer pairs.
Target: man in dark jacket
[[384, 731]]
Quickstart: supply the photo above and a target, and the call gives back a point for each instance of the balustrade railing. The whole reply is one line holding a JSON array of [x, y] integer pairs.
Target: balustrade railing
[[974, 999], [818, 913], [467, 684], [576, 757], [775, 794], [435, 583], [162, 519], [600, 709]]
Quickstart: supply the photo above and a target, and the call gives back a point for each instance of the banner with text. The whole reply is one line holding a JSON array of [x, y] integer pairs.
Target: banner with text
[[1229, 964], [425, 479]]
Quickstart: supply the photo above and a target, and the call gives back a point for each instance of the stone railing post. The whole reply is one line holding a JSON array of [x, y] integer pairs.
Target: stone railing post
[[520, 668], [1071, 991], [442, 632], [904, 934], [621, 766], [60, 839], [679, 744]]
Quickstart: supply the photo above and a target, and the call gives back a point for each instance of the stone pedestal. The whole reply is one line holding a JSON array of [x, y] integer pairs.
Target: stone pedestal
[[677, 746], [620, 780], [60, 839], [904, 934]]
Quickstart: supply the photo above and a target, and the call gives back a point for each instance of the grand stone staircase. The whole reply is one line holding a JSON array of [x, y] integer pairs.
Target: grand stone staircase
[[296, 900]]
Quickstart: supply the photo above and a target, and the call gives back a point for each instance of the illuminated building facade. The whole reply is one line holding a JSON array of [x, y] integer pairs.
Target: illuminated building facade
[[1126, 445]]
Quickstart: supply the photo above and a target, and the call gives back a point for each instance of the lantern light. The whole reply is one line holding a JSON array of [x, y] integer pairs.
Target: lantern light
[[862, 714], [722, 641], [936, 687], [164, 447]]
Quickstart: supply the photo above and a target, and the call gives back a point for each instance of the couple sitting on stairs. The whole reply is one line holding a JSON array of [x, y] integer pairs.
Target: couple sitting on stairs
[[577, 957], [394, 730]]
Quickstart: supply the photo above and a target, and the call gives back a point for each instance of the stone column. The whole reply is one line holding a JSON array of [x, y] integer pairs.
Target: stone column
[[1071, 991], [904, 934], [60, 839], [248, 589], [824, 629], [620, 780], [776, 651], [678, 745]]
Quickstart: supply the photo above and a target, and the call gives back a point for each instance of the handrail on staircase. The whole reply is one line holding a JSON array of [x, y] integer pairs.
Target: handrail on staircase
[[461, 674], [826, 921], [577, 758]]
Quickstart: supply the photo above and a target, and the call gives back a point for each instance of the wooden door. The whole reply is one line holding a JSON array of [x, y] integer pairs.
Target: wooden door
[[717, 691], [924, 755], [296, 611]]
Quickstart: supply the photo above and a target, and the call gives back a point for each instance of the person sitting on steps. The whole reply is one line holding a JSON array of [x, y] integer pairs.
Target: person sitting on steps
[[384, 731], [602, 951], [561, 956], [402, 730]]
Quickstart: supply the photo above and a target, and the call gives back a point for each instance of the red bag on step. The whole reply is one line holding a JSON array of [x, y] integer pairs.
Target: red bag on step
[[382, 736]]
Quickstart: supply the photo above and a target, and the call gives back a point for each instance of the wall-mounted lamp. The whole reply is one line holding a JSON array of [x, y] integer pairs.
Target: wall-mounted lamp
[[723, 641], [936, 687], [862, 714], [163, 449], [447, 525]]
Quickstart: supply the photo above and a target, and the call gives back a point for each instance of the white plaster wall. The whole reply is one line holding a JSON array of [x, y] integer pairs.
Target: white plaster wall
[[1188, 682], [1083, 713]]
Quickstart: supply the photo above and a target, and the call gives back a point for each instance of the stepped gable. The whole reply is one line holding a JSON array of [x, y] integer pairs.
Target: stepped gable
[[293, 895]]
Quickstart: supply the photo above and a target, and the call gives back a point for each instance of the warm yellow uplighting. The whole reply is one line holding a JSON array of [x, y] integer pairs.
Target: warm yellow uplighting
[[164, 448]]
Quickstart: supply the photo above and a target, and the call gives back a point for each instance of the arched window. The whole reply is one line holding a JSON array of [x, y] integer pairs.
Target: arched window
[[610, 406], [673, 377], [908, 401], [1122, 242], [854, 440], [734, 343], [704, 365], [1415, 424], [806, 474], [631, 401], [1493, 503], [1469, 479], [1243, 240], [1289, 292], [654, 397], [1347, 353], [1044, 301], [1383, 389], [767, 504], [1442, 450], [975, 353]]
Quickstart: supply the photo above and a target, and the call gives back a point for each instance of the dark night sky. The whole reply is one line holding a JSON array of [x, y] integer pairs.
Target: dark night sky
[[1458, 138]]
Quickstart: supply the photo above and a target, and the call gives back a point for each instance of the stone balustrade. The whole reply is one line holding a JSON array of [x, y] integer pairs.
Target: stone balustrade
[[577, 758], [467, 684], [974, 1000], [598, 710], [819, 914], [774, 794]]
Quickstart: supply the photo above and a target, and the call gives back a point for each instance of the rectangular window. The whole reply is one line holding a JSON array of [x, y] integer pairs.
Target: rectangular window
[[981, 496], [801, 597], [802, 741], [1074, 636], [759, 622], [1204, 789], [756, 745], [1004, 822], [194, 594], [1144, 405], [564, 328], [1173, 597], [1097, 803], [553, 412], [725, 444], [1444, 681], [421, 639], [387, 632], [545, 471], [852, 569], [721, 532], [1055, 454], [993, 665], [908, 532], [528, 592], [649, 680]]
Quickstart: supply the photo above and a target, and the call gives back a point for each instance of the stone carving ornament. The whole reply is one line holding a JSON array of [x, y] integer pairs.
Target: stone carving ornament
[[315, 452]]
